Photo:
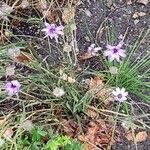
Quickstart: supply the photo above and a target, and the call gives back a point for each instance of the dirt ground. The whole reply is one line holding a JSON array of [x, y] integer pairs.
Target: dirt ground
[[92, 16], [89, 19]]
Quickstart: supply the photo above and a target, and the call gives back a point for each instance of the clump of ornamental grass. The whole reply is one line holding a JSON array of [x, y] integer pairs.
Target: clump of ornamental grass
[[131, 74]]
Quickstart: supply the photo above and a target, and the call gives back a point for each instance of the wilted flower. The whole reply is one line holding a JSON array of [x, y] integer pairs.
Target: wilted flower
[[2, 142], [27, 125], [12, 87], [13, 52], [93, 50], [113, 70], [8, 133], [120, 95], [10, 70], [115, 52], [5, 10], [53, 31], [58, 92]]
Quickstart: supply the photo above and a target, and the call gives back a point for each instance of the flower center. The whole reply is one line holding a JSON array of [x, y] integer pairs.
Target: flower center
[[13, 86], [52, 30], [119, 96], [115, 50]]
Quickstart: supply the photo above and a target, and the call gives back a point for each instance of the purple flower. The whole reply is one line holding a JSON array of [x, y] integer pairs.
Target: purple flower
[[93, 50], [120, 94], [53, 31], [12, 87], [115, 52]]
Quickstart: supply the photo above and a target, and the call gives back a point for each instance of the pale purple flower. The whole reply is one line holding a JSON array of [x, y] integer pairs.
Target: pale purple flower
[[53, 31], [12, 87], [93, 50], [120, 95], [115, 52]]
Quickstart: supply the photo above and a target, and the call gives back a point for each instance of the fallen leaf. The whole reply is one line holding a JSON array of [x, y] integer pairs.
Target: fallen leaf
[[70, 127], [23, 57], [50, 15], [97, 133], [91, 112], [145, 2], [141, 136], [85, 56], [98, 88], [129, 136]]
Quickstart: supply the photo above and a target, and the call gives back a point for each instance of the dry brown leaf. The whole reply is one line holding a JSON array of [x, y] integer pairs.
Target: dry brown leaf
[[91, 112], [145, 2], [68, 14], [85, 56], [70, 127], [141, 136], [50, 15], [23, 57], [100, 91], [129, 136], [97, 133], [89, 146]]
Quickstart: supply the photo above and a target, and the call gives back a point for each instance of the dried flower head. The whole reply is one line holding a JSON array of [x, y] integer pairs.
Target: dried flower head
[[27, 125], [5, 10], [113, 70], [53, 31], [12, 87], [8, 133], [93, 50], [115, 52], [120, 95], [58, 92]]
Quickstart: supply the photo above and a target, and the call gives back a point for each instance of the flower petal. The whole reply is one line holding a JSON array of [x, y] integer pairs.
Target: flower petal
[[123, 90], [120, 44], [46, 24], [92, 45], [97, 48], [114, 93], [107, 53], [109, 47]]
